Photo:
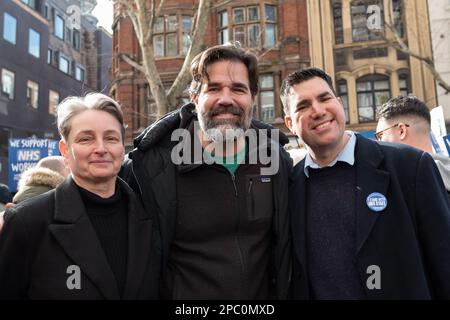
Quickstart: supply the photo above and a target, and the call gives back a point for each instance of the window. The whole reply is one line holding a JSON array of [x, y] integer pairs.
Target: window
[[63, 64], [169, 40], [239, 34], [397, 8], [340, 57], [372, 92], [267, 98], [253, 13], [187, 28], [46, 15], [253, 35], [68, 36], [32, 93], [79, 73], [365, 14], [370, 53], [343, 94], [238, 15], [338, 25], [53, 101], [76, 43], [171, 44], [270, 37], [403, 80], [401, 56], [34, 43], [223, 27], [249, 27], [49, 55], [59, 27], [9, 28], [8, 83], [158, 46]]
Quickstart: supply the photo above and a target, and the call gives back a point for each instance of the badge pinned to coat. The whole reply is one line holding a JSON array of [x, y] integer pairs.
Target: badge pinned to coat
[[376, 201]]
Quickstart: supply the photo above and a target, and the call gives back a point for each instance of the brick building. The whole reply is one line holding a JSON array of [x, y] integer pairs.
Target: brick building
[[276, 31]]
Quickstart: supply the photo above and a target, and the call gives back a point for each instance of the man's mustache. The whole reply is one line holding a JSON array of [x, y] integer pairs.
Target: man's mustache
[[237, 111]]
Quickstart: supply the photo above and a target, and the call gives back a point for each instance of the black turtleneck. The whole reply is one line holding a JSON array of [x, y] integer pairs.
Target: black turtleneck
[[109, 217]]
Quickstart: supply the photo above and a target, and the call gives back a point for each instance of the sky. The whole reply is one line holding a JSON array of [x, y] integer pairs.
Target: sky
[[104, 13]]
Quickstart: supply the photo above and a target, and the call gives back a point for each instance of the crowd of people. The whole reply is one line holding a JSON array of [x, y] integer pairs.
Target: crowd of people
[[208, 204]]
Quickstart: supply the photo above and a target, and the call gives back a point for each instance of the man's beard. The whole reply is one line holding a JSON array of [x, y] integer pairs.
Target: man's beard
[[222, 130]]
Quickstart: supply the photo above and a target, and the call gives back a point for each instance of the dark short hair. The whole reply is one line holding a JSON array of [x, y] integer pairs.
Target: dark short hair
[[301, 76], [225, 52], [404, 106]]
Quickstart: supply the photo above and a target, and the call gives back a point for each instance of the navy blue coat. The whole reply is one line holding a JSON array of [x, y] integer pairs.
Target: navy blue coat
[[409, 240]]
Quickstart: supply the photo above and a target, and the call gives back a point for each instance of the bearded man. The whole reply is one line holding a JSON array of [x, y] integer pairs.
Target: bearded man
[[223, 219]]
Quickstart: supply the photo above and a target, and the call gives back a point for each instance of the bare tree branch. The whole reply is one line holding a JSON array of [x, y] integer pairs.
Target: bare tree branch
[[182, 79], [158, 10], [143, 15], [401, 46], [132, 62]]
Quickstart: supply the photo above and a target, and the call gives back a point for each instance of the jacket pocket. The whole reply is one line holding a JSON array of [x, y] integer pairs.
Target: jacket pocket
[[259, 197]]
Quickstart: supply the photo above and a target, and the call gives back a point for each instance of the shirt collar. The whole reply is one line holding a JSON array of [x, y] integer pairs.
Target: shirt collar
[[347, 154]]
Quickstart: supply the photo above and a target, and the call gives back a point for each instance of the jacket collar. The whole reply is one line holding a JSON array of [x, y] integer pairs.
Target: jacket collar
[[74, 232]]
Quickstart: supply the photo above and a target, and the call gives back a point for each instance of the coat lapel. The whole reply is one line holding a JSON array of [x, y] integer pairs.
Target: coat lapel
[[369, 179], [139, 244], [77, 237]]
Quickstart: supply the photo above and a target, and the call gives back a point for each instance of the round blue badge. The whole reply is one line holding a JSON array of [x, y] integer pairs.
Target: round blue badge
[[376, 202]]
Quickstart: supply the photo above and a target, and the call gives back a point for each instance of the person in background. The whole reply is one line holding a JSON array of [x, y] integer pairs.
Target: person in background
[[48, 173], [370, 220], [89, 238], [5, 197], [407, 120]]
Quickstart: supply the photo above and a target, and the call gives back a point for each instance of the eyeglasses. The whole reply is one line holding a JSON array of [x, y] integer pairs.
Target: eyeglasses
[[379, 134]]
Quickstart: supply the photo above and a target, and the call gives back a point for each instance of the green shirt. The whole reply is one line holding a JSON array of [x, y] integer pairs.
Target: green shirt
[[230, 163]]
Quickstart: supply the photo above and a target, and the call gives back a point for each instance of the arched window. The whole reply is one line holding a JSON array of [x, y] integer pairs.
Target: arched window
[[342, 92], [372, 91]]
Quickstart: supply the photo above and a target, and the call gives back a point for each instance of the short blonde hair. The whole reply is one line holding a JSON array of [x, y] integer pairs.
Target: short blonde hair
[[72, 106]]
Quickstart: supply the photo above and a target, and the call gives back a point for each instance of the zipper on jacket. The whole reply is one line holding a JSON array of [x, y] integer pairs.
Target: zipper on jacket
[[244, 290], [233, 178], [252, 199]]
